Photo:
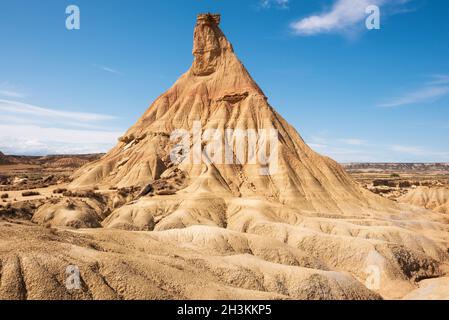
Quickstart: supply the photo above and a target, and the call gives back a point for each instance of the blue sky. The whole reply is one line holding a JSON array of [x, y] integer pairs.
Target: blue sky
[[353, 94]]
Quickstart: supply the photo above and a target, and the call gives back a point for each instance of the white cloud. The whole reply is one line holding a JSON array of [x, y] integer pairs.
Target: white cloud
[[346, 154], [430, 92], [318, 139], [317, 146], [32, 139], [266, 4], [107, 69], [353, 142], [439, 79], [28, 129], [417, 151], [19, 108], [11, 94], [343, 16], [10, 91], [357, 150]]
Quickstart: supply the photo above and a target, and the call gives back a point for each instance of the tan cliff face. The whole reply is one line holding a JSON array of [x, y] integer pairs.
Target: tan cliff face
[[436, 198], [209, 45]]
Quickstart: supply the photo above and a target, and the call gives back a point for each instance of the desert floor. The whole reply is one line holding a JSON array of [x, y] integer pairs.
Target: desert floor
[[308, 258]]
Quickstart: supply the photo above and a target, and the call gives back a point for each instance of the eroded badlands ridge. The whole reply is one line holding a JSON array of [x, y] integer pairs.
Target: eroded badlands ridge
[[302, 230], [218, 93]]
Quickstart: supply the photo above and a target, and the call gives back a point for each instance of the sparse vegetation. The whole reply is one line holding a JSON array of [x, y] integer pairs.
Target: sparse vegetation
[[405, 184], [71, 205], [20, 210], [59, 190], [385, 183], [4, 196], [30, 193], [82, 194], [394, 180], [124, 192]]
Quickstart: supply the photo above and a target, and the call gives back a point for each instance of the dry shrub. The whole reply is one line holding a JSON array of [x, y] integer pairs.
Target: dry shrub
[[124, 192], [405, 184], [385, 183], [71, 205], [30, 193], [91, 194]]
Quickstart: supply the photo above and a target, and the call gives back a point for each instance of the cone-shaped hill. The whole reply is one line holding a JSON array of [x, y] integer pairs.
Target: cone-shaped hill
[[217, 92]]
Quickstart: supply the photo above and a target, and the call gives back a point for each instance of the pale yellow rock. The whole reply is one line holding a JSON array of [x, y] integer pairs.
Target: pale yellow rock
[[431, 289], [435, 198]]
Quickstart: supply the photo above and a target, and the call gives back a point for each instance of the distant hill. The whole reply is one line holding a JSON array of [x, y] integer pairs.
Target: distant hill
[[4, 159], [51, 160], [436, 199], [396, 167]]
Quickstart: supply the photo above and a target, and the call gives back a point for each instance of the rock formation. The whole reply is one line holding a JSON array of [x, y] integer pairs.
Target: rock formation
[[218, 93], [436, 199], [4, 159]]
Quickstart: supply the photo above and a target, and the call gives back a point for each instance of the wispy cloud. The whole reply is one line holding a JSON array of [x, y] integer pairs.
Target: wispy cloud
[[358, 150], [11, 94], [344, 16], [10, 91], [430, 92], [108, 69], [36, 140], [343, 150], [439, 79], [266, 4], [317, 146], [29, 129], [346, 154], [353, 142], [417, 151], [15, 107], [318, 139]]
